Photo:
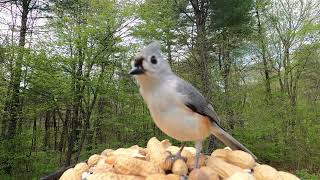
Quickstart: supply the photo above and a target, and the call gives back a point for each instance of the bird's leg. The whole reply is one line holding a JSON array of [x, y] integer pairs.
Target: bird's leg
[[180, 150], [198, 146], [178, 155]]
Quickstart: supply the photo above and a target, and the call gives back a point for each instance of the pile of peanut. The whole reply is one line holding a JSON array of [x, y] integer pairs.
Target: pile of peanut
[[151, 163]]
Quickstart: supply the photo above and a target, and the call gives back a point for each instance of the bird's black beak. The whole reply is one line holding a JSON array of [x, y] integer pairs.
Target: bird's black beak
[[136, 70], [137, 67]]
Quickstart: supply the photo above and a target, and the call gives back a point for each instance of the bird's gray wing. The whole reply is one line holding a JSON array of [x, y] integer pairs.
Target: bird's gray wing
[[195, 101]]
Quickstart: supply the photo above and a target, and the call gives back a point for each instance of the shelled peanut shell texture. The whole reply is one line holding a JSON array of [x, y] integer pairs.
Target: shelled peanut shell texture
[[151, 163]]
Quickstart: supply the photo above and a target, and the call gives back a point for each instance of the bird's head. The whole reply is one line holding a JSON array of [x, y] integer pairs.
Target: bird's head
[[149, 62]]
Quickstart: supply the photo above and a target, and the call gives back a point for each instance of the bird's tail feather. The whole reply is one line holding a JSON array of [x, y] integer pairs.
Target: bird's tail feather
[[228, 140]]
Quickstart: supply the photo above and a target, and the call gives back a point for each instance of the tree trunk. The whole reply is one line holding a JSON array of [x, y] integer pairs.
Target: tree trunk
[[286, 68], [200, 10], [34, 136], [64, 133], [14, 109], [47, 131], [77, 103], [280, 79], [264, 58], [54, 118], [99, 138], [72, 135], [85, 128]]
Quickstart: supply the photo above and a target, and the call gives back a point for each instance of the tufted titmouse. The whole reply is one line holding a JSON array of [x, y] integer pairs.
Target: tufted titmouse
[[177, 107]]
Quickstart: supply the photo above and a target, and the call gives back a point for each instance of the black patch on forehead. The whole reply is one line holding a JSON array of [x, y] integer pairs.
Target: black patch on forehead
[[138, 61]]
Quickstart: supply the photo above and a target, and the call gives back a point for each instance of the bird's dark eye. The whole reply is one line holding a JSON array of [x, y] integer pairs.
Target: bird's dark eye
[[153, 60]]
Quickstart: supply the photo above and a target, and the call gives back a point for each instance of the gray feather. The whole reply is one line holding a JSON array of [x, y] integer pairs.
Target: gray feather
[[197, 103], [151, 49], [195, 100]]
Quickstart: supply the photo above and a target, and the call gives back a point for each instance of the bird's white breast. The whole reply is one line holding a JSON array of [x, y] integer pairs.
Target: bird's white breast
[[172, 116]]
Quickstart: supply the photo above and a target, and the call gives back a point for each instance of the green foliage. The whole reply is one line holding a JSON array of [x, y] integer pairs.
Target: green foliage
[[279, 134], [305, 175], [159, 20], [232, 14]]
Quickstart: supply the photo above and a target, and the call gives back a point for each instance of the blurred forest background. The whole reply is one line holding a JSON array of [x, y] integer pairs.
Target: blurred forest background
[[66, 93]]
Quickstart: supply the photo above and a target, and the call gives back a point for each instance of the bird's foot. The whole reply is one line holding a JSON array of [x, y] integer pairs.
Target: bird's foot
[[173, 158], [169, 161]]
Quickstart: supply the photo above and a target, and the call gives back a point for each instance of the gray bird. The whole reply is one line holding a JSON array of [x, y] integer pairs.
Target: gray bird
[[177, 107]]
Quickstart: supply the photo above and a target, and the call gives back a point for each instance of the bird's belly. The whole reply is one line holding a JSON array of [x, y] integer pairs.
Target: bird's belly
[[181, 123]]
